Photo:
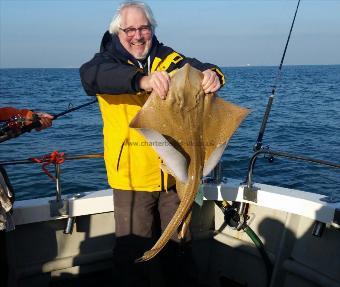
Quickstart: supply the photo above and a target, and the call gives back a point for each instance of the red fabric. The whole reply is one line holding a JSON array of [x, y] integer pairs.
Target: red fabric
[[55, 157], [7, 112]]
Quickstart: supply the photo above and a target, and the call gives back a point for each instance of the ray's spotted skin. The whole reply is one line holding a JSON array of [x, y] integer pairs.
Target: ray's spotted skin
[[193, 129]]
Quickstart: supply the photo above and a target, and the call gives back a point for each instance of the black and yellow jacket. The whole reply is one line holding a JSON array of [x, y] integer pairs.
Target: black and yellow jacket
[[113, 75]]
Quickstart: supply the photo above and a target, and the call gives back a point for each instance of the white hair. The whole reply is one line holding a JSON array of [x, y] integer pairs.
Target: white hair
[[116, 21]]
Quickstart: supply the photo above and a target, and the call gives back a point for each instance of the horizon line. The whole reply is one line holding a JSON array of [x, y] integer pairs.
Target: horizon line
[[232, 66]]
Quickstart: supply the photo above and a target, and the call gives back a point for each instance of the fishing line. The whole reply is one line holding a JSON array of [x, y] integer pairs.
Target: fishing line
[[258, 144]]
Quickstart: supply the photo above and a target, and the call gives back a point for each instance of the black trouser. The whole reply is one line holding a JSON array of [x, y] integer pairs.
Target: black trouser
[[3, 259], [140, 217]]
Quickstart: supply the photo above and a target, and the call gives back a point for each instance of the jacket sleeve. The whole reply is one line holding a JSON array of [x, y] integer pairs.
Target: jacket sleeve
[[104, 75], [204, 66], [7, 112]]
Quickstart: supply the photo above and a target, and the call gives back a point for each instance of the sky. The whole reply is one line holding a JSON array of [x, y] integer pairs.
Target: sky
[[65, 34]]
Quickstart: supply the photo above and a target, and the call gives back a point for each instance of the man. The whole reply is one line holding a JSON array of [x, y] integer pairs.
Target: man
[[131, 64], [23, 117]]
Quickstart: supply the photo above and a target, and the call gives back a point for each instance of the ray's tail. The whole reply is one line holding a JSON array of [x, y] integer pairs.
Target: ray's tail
[[184, 207]]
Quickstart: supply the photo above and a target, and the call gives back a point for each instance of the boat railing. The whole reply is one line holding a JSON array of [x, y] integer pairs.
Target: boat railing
[[59, 206], [250, 191]]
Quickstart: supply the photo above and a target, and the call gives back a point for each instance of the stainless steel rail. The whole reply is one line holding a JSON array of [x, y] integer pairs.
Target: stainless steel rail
[[59, 206]]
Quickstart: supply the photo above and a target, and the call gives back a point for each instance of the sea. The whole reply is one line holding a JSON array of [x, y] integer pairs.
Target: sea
[[304, 120]]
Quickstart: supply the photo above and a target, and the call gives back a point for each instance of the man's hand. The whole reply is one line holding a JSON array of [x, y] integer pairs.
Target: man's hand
[[211, 82], [44, 119], [158, 82]]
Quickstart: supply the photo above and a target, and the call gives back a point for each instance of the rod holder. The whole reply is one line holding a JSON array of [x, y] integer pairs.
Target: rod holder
[[318, 228], [71, 220], [217, 172], [69, 225], [215, 176]]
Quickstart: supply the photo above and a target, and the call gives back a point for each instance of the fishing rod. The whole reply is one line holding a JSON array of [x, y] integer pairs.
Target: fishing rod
[[259, 144], [70, 110], [249, 193], [14, 127]]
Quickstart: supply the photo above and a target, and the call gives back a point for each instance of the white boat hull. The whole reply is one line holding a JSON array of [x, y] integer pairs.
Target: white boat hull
[[40, 254]]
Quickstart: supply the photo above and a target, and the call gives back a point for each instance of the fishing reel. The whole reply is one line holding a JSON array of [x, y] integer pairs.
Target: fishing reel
[[14, 124], [258, 146], [234, 216], [269, 157], [18, 125]]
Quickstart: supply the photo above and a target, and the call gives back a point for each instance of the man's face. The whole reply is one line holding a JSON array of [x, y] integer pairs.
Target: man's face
[[140, 43]]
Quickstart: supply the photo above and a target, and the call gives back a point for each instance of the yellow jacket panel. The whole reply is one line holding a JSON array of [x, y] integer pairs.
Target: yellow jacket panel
[[131, 163]]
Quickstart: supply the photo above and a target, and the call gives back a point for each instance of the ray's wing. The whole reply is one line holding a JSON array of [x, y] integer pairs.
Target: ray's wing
[[222, 120]]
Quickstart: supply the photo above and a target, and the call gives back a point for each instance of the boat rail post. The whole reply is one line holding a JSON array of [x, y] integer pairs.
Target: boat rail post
[[59, 206], [217, 173], [249, 190], [57, 182]]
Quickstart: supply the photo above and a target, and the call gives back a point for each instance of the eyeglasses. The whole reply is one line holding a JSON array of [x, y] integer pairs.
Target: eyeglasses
[[130, 32]]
